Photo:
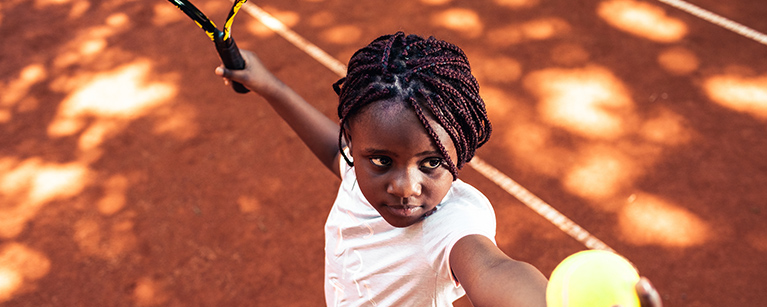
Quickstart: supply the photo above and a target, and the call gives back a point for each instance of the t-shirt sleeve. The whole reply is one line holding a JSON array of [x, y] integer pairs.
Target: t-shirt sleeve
[[466, 212]]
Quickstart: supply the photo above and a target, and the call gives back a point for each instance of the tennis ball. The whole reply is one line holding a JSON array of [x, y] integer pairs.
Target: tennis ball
[[593, 278]]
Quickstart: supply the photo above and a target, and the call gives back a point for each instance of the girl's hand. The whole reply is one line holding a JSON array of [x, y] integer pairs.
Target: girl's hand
[[254, 76], [648, 295]]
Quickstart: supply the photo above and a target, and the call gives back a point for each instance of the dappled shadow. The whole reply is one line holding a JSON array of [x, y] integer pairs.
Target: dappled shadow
[[740, 93], [643, 19], [130, 176]]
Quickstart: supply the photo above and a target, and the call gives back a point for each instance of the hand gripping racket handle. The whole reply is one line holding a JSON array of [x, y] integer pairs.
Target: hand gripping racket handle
[[230, 55]]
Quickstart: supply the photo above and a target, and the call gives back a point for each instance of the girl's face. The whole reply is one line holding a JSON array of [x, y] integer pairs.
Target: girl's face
[[399, 168]]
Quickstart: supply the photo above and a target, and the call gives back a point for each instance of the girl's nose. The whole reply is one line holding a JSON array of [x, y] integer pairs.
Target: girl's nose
[[405, 184]]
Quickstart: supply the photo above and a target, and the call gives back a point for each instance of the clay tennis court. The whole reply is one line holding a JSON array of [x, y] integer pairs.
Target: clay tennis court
[[131, 176]]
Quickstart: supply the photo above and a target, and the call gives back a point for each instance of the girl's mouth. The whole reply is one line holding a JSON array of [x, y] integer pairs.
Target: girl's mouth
[[404, 211]]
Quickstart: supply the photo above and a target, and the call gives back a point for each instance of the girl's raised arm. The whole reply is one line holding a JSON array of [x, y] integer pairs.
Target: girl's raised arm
[[315, 129]]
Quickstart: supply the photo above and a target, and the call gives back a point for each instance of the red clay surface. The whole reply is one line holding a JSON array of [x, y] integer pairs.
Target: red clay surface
[[130, 176]]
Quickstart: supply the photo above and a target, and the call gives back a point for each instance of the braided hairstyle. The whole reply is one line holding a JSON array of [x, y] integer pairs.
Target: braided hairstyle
[[429, 75]]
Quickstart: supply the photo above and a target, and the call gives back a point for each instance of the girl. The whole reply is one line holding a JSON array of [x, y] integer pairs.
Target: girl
[[404, 230]]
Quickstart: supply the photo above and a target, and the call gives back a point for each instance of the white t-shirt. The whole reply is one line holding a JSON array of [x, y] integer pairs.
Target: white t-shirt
[[371, 263]]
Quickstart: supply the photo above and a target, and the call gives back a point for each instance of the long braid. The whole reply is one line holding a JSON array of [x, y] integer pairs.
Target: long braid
[[431, 76]]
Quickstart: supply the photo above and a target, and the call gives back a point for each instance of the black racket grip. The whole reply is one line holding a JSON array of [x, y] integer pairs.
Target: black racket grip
[[230, 55]]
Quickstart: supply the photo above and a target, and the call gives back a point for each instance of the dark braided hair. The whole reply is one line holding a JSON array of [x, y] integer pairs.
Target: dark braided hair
[[429, 75]]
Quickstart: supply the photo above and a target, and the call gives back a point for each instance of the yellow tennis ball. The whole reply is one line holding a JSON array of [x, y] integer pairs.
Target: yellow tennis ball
[[593, 278]]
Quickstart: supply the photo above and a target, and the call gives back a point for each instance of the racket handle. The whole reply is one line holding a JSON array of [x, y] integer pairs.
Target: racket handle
[[230, 55]]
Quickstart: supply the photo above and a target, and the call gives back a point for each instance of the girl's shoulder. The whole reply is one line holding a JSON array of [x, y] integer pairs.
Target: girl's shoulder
[[462, 192], [465, 204]]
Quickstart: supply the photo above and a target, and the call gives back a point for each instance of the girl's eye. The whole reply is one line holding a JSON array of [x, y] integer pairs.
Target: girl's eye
[[431, 163], [380, 161]]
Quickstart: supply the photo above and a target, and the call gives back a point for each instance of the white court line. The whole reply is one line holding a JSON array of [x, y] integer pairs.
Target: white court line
[[718, 20], [538, 205], [490, 172], [280, 28]]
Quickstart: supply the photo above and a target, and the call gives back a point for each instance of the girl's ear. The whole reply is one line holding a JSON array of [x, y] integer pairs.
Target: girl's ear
[[346, 147]]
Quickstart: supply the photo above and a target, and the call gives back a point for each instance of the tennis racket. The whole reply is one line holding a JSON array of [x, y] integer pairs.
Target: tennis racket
[[225, 45]]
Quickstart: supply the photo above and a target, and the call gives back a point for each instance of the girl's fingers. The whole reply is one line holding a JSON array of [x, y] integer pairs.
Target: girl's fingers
[[648, 295], [223, 73]]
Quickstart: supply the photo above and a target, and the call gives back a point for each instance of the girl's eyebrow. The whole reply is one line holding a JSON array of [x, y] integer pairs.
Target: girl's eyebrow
[[374, 151], [429, 153]]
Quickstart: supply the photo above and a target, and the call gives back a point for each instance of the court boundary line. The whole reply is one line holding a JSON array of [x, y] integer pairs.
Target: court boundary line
[[535, 203], [511, 187], [294, 38], [718, 20]]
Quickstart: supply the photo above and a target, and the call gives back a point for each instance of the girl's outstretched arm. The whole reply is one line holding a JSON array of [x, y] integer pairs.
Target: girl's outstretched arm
[[491, 278], [314, 128]]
